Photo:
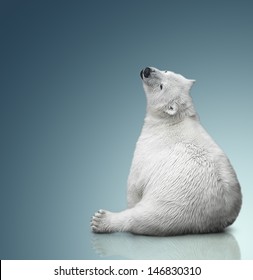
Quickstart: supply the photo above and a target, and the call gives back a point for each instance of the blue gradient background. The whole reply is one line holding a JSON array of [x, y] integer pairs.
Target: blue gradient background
[[72, 107]]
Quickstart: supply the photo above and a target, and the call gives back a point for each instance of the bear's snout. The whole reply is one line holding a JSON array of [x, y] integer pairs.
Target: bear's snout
[[146, 72]]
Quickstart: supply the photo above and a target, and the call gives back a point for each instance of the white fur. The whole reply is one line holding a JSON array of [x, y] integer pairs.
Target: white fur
[[180, 180]]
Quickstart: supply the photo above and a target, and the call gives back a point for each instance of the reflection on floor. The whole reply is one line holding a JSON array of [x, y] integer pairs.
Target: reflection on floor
[[219, 246]]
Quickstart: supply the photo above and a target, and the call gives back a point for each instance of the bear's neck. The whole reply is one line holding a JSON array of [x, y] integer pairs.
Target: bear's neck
[[163, 117]]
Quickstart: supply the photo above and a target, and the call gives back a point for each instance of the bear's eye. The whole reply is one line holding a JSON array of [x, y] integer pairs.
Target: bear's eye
[[161, 87]]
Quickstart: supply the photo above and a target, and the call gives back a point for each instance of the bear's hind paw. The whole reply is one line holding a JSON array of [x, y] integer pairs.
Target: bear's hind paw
[[101, 222]]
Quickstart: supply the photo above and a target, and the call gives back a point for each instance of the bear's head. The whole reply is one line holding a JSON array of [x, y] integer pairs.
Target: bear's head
[[167, 94]]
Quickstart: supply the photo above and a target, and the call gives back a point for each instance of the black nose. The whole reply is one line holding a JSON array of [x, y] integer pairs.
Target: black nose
[[141, 74], [146, 72]]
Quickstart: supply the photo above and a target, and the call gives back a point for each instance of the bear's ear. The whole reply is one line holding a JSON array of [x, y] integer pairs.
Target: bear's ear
[[172, 109], [191, 83]]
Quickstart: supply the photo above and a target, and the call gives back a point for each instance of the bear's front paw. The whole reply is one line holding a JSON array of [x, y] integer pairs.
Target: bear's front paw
[[100, 222]]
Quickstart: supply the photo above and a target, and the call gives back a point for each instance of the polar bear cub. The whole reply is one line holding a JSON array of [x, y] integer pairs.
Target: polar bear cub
[[180, 181]]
